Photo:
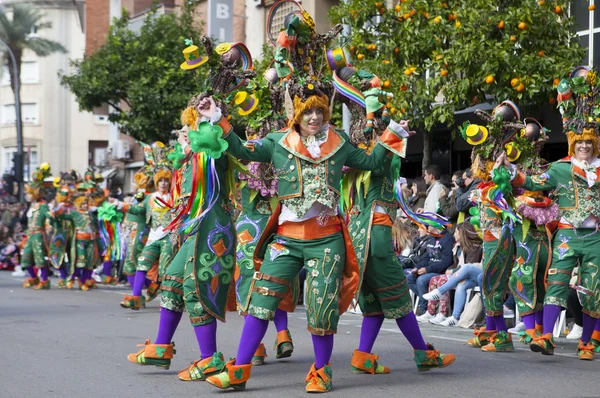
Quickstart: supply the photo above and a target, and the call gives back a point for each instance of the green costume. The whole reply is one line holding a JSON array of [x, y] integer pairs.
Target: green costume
[[35, 249], [135, 230], [573, 244], [62, 246], [529, 269], [302, 181], [86, 252], [199, 277], [384, 289], [162, 248]]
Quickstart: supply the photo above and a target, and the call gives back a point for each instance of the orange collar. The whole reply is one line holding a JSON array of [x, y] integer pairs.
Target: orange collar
[[292, 142]]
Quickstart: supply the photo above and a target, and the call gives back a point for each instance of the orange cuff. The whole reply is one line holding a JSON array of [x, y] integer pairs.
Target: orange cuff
[[392, 142], [125, 207], [519, 180], [225, 125]]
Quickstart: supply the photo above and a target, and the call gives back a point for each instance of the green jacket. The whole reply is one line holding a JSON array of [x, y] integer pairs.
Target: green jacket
[[156, 215], [576, 200]]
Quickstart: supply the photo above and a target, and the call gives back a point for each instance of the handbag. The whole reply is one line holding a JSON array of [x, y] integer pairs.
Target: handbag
[[473, 313]]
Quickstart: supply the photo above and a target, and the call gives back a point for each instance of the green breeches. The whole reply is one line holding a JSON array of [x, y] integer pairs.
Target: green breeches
[[161, 250], [85, 254], [324, 260], [571, 248], [34, 252], [384, 289], [498, 258]]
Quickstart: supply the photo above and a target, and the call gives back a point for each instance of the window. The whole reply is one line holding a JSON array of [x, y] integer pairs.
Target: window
[[279, 18], [30, 73], [587, 26], [29, 114], [30, 160]]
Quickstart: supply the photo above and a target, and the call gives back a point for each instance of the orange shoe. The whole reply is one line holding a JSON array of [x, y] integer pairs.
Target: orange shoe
[[544, 344], [70, 283], [432, 358], [258, 359], [43, 285], [30, 282], [284, 345], [585, 352], [109, 280], [595, 341], [201, 369], [62, 284], [528, 335], [363, 362], [319, 380], [159, 355], [152, 291], [232, 376], [482, 337], [539, 329], [501, 342]]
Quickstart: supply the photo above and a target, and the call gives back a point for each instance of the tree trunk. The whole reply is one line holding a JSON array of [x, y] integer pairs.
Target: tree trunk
[[426, 149], [18, 116]]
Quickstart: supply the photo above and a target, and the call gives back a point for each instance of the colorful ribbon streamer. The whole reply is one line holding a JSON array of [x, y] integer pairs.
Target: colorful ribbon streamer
[[348, 91]]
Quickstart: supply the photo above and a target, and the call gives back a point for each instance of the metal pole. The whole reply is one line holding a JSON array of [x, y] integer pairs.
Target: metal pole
[[19, 156]]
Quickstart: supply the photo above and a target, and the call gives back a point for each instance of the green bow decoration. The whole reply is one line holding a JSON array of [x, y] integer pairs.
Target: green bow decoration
[[208, 139], [109, 212], [475, 220], [176, 156], [502, 179]]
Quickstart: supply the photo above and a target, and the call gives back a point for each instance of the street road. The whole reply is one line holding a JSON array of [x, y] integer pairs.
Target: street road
[[62, 343]]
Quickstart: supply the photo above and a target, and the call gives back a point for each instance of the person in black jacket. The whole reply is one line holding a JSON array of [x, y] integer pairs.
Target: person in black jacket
[[465, 186], [435, 262]]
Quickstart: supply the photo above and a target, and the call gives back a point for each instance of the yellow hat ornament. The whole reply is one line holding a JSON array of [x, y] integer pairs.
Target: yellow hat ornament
[[245, 102], [476, 134], [512, 151], [192, 56]]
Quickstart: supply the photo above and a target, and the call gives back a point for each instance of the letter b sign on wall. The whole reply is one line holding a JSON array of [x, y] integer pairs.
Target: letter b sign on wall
[[220, 21]]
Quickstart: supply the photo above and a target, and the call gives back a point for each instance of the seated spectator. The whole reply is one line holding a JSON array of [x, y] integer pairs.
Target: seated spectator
[[466, 184], [417, 251], [419, 192], [462, 276], [436, 261]]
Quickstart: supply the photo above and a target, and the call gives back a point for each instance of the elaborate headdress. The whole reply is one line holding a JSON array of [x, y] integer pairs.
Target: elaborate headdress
[[157, 158], [37, 185], [579, 104], [65, 185]]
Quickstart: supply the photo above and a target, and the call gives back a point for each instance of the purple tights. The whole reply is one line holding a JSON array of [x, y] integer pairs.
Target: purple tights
[[107, 268], [252, 334], [169, 320], [280, 320], [63, 272], [589, 324], [539, 318], [529, 321], [138, 284], [31, 272], [131, 280], [44, 272], [206, 336], [551, 314], [323, 347], [410, 328], [369, 331]]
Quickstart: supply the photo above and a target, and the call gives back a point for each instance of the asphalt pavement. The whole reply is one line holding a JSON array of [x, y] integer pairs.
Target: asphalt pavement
[[70, 343]]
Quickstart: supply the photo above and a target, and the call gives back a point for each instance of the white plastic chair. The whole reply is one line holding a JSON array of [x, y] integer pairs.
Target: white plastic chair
[[561, 324]]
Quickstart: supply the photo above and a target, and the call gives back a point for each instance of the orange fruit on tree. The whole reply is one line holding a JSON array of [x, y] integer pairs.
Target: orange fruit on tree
[[552, 101], [404, 87], [490, 79], [352, 48], [397, 8], [437, 19], [444, 4], [555, 82], [501, 25], [396, 50], [541, 53], [392, 111], [388, 105], [457, 24], [522, 26], [541, 2], [520, 87], [513, 38], [413, 13], [557, 9], [378, 4], [382, 10], [426, 14], [591, 7], [475, 100], [386, 61], [444, 73], [451, 17], [360, 57], [408, 72], [514, 82], [387, 84], [406, 16]]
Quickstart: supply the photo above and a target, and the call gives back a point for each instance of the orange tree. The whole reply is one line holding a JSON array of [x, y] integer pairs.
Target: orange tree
[[441, 56]]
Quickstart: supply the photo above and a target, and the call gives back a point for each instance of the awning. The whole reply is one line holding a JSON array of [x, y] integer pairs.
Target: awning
[[110, 173]]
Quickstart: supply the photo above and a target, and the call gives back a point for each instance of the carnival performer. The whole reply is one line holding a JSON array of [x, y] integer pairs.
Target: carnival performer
[[85, 234], [135, 230], [384, 291], [62, 249], [308, 159], [199, 279], [497, 222], [576, 240], [531, 238], [156, 208], [35, 251]]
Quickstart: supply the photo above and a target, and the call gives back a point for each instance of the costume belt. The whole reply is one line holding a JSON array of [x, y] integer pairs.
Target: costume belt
[[489, 237], [310, 229], [562, 225], [382, 219], [37, 230], [84, 235]]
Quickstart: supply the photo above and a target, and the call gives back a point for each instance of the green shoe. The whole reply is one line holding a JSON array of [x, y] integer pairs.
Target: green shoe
[[596, 340], [544, 344], [232, 376], [152, 291], [502, 342], [258, 359], [283, 344], [203, 368], [432, 358], [159, 355], [319, 380]]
